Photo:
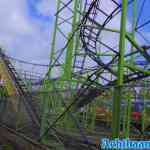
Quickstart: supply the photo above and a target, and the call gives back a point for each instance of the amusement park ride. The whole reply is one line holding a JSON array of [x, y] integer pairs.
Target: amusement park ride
[[96, 84]]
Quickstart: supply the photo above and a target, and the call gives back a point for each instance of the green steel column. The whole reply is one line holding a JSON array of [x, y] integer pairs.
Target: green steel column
[[144, 106], [118, 88], [70, 48], [133, 25], [132, 59], [77, 45], [47, 85], [68, 61], [68, 66], [53, 44], [127, 115]]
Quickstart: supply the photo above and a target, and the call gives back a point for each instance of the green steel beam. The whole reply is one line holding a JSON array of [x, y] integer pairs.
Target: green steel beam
[[133, 26], [136, 68], [134, 43], [51, 101], [68, 61], [118, 88], [53, 44], [127, 115], [71, 46], [144, 107], [47, 85]]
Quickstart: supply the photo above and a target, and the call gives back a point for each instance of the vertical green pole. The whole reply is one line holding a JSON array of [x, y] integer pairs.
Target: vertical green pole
[[132, 59], [46, 100], [70, 48], [77, 44], [74, 43], [127, 115], [118, 88], [68, 61], [53, 44], [133, 25], [144, 107]]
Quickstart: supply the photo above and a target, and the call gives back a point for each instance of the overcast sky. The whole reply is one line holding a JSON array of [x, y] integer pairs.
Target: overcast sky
[[26, 28]]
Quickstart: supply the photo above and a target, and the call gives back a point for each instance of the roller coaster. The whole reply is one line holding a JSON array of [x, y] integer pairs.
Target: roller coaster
[[96, 84]]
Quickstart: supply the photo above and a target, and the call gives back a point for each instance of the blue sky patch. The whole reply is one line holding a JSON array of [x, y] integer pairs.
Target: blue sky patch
[[34, 12]]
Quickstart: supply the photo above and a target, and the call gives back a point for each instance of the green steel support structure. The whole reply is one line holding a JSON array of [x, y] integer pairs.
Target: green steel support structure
[[119, 86], [45, 98], [144, 117], [53, 44], [66, 68], [73, 81], [128, 109], [51, 103]]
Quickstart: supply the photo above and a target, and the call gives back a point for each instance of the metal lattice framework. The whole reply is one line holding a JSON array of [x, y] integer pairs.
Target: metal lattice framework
[[99, 66], [106, 54]]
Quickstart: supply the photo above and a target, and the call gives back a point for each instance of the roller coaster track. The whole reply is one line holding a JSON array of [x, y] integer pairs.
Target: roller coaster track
[[18, 140], [90, 31], [22, 90]]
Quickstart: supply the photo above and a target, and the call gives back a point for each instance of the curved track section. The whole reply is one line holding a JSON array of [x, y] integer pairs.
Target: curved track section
[[103, 52]]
